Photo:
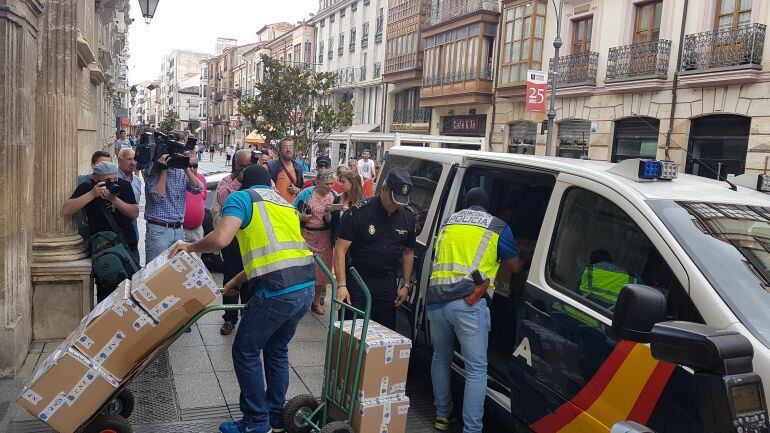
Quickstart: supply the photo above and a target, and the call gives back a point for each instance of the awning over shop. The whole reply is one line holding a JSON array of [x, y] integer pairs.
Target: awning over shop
[[255, 138], [363, 127]]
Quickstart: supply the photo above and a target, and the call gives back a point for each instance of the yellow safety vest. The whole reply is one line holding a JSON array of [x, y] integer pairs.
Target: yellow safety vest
[[467, 242], [272, 247], [602, 282]]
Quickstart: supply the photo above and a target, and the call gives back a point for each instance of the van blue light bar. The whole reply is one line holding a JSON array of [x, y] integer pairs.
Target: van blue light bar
[[649, 170], [645, 170]]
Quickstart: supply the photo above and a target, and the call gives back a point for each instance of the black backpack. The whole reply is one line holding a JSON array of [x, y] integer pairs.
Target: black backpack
[[111, 260]]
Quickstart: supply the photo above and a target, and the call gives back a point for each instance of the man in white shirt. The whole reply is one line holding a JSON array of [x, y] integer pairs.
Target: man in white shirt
[[366, 166], [122, 142]]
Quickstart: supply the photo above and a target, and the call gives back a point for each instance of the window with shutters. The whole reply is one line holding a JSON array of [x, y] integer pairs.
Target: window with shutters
[[523, 33], [647, 22], [732, 13], [582, 30]]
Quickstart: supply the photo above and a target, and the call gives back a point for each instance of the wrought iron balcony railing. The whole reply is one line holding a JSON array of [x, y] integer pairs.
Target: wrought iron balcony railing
[[740, 46], [470, 74], [400, 62], [345, 76], [377, 70], [449, 9], [362, 76], [644, 59], [576, 69], [414, 115]]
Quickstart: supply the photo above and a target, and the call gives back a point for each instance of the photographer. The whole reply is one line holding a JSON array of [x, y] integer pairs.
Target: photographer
[[109, 204], [168, 179]]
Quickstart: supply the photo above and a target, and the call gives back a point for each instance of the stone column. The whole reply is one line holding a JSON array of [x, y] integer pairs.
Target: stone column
[[18, 59], [62, 287]]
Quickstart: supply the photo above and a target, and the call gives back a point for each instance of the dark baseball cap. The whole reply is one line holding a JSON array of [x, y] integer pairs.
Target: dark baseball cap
[[400, 183], [253, 175], [323, 160]]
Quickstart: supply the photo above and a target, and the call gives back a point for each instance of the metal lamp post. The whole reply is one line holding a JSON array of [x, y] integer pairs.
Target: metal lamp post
[[552, 110], [148, 9]]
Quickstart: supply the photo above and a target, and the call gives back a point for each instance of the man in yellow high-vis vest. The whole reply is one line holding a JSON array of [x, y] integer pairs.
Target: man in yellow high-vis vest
[[602, 279], [278, 266], [470, 240]]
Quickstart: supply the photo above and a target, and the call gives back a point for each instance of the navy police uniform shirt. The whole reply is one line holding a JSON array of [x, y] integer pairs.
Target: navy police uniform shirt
[[377, 238]]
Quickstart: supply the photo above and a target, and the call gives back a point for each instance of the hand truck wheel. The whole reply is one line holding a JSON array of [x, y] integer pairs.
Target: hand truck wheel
[[122, 404], [337, 427], [295, 412], [108, 424]]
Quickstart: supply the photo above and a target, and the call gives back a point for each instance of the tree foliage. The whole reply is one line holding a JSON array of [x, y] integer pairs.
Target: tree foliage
[[168, 123], [294, 101]]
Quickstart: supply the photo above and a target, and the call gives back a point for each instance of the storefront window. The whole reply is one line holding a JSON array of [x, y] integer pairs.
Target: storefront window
[[573, 138], [635, 138], [522, 137]]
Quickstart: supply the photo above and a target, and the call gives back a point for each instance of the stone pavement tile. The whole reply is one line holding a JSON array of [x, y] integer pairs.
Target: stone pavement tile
[[229, 385], [211, 337], [221, 356], [312, 377], [29, 366], [192, 338], [310, 329], [189, 359], [307, 353], [296, 385], [36, 347], [198, 390], [50, 346]]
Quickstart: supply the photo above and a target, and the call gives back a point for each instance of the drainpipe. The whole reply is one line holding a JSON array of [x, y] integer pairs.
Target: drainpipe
[[495, 67], [675, 83]]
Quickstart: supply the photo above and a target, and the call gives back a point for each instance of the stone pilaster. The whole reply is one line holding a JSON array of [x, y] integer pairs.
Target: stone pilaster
[[62, 289], [19, 21]]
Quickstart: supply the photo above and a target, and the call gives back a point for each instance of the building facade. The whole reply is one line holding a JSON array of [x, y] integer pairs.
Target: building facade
[[62, 93], [350, 41], [203, 97], [177, 67], [222, 104]]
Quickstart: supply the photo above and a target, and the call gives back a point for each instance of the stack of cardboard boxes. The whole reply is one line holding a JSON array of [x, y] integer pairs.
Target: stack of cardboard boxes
[[382, 404], [114, 339]]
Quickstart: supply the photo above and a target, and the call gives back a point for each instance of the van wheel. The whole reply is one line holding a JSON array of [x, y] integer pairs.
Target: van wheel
[[108, 424], [122, 404], [337, 427], [296, 411]]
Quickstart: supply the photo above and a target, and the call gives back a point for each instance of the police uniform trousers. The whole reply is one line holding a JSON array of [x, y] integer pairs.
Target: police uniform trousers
[[233, 265], [382, 286]]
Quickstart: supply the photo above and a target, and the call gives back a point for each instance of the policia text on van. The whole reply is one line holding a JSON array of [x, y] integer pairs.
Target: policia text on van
[[553, 362]]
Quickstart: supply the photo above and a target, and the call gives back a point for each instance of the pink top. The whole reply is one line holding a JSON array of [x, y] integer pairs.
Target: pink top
[[194, 212], [227, 186], [318, 206]]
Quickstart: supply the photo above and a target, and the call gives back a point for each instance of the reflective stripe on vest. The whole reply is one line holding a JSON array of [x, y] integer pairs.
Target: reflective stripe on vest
[[604, 284], [271, 246], [466, 243]]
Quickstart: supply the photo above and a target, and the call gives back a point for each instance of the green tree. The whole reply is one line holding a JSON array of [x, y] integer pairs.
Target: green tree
[[168, 123], [293, 101]]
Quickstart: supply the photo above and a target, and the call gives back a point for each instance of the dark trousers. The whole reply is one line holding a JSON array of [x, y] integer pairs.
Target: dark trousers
[[233, 265], [383, 290]]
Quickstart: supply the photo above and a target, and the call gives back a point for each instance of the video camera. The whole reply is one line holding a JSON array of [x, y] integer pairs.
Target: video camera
[[112, 186], [169, 144]]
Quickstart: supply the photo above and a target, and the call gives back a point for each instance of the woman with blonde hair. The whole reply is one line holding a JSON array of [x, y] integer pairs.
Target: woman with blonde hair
[[352, 193]]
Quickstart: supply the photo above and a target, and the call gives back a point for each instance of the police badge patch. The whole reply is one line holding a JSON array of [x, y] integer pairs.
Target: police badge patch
[[372, 230], [405, 189]]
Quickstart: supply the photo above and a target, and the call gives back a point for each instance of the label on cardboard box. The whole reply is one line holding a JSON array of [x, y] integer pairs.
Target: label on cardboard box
[[110, 347], [81, 386], [31, 396]]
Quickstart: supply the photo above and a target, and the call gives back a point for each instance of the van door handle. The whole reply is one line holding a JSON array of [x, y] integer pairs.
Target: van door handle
[[536, 310]]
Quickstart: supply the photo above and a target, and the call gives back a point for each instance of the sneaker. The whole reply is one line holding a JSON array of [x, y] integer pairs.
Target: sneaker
[[278, 430], [238, 427], [227, 328], [444, 424]]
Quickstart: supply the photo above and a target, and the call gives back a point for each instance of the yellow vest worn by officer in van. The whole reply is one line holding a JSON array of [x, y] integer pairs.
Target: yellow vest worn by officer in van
[[272, 247], [602, 282], [467, 242]]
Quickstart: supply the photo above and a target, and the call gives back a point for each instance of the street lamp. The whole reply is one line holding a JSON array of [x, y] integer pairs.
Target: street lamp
[[551, 110], [133, 92], [148, 9]]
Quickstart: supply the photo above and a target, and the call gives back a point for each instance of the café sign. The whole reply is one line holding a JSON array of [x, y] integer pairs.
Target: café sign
[[464, 125]]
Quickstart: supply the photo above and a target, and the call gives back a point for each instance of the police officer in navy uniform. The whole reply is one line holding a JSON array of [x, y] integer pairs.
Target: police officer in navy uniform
[[376, 235]]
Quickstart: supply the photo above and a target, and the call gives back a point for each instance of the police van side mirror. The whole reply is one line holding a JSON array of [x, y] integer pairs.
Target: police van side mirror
[[637, 310]]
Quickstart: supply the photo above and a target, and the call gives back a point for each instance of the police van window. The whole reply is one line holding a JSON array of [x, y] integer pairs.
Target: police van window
[[598, 249], [425, 176]]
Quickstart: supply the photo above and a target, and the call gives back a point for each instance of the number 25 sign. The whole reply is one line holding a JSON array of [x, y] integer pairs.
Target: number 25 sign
[[537, 82]]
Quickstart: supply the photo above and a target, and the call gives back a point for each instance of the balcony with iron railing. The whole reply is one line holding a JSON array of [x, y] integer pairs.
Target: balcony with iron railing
[[345, 77], [642, 60], [362, 74], [724, 49], [413, 115], [450, 9], [470, 74], [576, 69], [401, 62]]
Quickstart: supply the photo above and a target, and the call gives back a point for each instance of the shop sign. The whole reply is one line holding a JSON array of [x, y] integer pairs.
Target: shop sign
[[464, 125], [537, 84], [408, 127], [125, 122]]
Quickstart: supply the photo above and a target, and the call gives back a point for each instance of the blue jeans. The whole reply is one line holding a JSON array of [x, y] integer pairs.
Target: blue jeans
[[159, 238], [267, 326], [471, 325]]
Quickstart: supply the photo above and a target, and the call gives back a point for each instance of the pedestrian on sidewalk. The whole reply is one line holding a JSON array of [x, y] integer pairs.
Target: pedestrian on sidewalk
[[212, 149], [231, 254], [200, 147], [166, 191], [286, 172], [221, 148], [194, 207], [284, 282], [229, 152], [314, 205], [122, 141], [376, 235], [127, 172], [471, 239]]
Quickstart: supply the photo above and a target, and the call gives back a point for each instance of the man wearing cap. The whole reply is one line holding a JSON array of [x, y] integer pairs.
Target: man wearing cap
[[374, 236], [471, 242], [283, 276], [98, 202], [322, 163], [366, 166]]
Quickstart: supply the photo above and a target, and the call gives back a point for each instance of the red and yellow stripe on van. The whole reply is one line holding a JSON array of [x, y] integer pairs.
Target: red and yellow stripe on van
[[626, 387]]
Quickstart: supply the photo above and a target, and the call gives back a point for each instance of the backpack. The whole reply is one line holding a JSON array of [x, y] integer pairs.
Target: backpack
[[111, 261], [274, 166]]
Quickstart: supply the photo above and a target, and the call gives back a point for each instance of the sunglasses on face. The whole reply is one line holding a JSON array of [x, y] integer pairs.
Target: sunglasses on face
[[193, 165]]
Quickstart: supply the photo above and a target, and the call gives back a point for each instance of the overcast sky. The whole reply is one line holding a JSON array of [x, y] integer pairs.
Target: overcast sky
[[196, 24]]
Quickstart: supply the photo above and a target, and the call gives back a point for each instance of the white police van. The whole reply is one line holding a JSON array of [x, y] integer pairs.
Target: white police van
[[702, 245]]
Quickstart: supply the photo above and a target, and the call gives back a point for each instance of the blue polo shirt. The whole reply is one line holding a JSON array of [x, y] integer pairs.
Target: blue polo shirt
[[238, 204]]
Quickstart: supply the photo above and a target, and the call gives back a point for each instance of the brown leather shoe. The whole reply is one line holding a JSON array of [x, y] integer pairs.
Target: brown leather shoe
[[227, 328]]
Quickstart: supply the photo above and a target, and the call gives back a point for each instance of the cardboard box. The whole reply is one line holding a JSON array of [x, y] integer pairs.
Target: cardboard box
[[378, 415], [67, 389], [117, 334], [385, 364], [174, 290]]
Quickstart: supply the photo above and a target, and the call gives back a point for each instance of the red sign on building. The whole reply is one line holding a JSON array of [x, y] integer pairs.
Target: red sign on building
[[125, 122], [537, 84]]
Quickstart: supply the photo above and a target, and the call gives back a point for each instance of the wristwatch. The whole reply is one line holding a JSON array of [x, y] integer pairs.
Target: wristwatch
[[407, 285]]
